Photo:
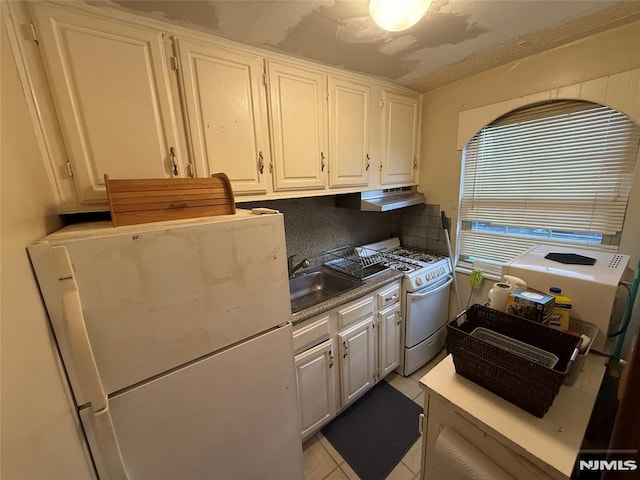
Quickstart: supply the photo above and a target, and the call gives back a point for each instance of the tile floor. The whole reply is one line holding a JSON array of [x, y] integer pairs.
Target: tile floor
[[322, 461]]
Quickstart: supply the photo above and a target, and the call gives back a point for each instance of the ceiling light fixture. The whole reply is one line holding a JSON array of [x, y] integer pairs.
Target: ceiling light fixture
[[397, 15]]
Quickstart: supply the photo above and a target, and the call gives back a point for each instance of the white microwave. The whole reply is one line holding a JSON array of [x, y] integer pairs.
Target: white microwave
[[591, 287]]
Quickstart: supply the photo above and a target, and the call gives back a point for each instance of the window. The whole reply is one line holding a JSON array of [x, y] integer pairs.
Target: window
[[556, 172]]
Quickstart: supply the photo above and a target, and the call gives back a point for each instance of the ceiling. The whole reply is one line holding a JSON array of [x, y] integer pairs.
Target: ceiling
[[455, 39]]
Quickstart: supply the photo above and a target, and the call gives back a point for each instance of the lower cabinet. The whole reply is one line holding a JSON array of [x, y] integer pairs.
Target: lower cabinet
[[356, 345], [343, 353], [389, 338], [315, 376]]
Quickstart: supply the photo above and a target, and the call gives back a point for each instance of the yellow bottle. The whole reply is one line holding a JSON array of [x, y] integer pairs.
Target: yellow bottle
[[561, 310]]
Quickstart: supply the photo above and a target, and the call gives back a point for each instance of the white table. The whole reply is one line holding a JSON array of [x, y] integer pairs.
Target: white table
[[471, 433]]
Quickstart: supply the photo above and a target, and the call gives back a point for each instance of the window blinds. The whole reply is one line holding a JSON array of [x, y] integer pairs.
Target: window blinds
[[562, 165]]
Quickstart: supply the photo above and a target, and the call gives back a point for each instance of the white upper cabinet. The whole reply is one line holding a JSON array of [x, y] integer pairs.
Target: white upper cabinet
[[226, 110], [129, 99], [112, 93], [349, 120], [297, 98], [400, 136]]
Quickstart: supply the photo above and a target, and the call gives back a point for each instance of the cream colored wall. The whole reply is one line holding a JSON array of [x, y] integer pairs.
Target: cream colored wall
[[598, 56], [40, 437]]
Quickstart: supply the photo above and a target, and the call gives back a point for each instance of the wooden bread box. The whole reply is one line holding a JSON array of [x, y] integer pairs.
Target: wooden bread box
[[134, 201]]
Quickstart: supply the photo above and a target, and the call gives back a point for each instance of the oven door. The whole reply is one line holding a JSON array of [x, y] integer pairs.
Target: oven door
[[427, 310]]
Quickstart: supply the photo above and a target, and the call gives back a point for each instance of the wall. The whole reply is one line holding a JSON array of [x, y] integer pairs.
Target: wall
[[562, 68], [40, 437], [315, 225]]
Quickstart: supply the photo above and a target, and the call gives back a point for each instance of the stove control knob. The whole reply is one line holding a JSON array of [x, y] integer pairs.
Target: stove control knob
[[418, 281]]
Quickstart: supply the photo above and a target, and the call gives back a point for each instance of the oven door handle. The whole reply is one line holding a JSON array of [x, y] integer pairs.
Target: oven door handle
[[430, 291]]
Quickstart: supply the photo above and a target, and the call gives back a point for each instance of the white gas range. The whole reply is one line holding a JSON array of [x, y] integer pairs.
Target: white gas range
[[425, 300]]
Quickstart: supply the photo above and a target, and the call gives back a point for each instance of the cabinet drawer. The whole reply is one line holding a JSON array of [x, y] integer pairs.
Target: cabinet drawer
[[388, 296], [310, 333], [355, 311]]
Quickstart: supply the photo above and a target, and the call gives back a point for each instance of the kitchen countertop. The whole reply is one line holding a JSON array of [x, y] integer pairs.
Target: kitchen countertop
[[369, 286]]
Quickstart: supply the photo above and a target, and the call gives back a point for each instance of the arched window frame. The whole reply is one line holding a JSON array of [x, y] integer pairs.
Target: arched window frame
[[515, 193]]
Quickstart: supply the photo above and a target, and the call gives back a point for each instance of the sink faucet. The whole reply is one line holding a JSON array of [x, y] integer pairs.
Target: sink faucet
[[293, 268]]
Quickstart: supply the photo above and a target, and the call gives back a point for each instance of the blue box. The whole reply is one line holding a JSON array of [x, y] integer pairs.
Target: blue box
[[531, 304]]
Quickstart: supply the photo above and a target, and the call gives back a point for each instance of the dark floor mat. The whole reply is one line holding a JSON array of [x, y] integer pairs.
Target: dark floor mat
[[374, 433]]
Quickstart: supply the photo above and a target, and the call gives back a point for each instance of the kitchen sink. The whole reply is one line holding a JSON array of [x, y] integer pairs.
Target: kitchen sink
[[317, 285]]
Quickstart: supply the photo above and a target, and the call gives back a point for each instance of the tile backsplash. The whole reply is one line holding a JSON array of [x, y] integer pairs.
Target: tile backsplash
[[420, 226], [314, 225]]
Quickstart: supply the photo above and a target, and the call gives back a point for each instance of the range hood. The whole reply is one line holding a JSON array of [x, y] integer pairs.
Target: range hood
[[381, 200]]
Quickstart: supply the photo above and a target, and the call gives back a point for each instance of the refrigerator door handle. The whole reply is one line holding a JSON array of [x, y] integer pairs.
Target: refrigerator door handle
[[86, 369], [108, 445], [78, 341]]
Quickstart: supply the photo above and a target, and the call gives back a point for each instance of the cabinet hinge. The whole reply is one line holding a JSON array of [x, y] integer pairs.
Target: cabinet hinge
[[190, 169], [69, 169], [174, 63], [264, 78], [34, 34]]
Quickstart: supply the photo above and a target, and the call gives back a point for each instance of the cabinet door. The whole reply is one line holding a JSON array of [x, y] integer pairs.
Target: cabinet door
[[299, 124], [357, 357], [400, 120], [389, 333], [316, 386], [348, 133], [112, 93], [226, 112]]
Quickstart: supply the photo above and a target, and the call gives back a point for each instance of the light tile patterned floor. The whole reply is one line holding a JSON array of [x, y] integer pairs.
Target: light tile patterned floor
[[323, 462]]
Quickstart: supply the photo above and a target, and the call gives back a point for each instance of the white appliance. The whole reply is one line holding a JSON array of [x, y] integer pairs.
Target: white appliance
[[177, 344], [592, 288], [424, 303]]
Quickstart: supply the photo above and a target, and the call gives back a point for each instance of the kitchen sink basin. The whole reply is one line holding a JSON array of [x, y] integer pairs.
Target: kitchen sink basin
[[317, 285]]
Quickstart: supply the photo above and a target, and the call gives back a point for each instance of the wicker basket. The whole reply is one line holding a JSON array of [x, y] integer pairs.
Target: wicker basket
[[523, 382]]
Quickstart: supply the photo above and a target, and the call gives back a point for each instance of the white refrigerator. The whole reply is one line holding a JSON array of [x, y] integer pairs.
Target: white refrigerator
[[176, 340]]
